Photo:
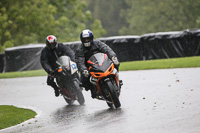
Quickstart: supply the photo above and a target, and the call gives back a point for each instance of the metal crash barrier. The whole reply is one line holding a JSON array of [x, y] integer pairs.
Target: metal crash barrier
[[128, 48]]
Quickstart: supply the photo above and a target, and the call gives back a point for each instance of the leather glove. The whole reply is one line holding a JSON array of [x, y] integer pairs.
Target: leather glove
[[85, 73], [115, 60]]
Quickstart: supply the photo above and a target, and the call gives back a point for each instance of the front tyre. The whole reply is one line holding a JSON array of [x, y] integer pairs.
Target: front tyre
[[113, 95], [61, 84], [69, 101], [79, 93], [109, 104]]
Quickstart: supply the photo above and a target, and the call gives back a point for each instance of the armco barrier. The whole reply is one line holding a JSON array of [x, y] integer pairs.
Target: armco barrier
[[23, 58], [2, 55], [128, 48]]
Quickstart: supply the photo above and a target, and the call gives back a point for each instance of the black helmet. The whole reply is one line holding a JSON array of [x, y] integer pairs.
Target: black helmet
[[51, 42], [86, 37]]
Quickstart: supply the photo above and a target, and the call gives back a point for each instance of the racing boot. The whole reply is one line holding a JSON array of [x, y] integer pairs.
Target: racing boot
[[57, 92], [93, 92], [120, 83], [51, 83], [85, 85]]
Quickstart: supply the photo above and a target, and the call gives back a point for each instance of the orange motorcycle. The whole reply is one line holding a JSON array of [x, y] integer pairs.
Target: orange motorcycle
[[104, 78]]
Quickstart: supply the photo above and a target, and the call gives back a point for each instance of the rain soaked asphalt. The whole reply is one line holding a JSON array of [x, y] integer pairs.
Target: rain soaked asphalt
[[153, 101]]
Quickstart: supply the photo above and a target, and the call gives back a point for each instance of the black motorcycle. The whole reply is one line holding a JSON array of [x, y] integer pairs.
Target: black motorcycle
[[68, 81]]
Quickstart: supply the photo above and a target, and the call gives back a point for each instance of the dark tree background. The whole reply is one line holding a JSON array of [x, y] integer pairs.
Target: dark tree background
[[30, 21]]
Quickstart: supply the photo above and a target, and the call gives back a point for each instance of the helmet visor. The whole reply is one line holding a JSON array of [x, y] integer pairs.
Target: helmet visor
[[86, 40], [52, 45]]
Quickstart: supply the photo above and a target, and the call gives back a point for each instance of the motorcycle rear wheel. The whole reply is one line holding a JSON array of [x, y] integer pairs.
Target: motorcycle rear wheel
[[79, 93], [114, 97]]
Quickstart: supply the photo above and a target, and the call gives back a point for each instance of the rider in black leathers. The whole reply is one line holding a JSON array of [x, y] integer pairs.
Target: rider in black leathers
[[49, 55], [85, 51]]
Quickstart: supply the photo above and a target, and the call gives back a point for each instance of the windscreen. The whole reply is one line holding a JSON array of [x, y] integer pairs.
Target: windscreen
[[63, 61], [98, 58]]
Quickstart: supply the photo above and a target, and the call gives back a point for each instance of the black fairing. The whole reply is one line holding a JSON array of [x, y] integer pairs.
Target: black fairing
[[100, 62]]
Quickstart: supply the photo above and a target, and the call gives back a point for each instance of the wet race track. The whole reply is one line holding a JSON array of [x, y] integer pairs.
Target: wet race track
[[153, 101]]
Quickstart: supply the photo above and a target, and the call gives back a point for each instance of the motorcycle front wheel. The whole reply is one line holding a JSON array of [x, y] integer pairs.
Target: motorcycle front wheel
[[69, 101], [79, 93], [113, 95], [109, 104]]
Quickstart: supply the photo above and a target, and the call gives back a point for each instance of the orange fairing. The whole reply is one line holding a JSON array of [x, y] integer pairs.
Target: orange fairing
[[100, 74], [90, 62]]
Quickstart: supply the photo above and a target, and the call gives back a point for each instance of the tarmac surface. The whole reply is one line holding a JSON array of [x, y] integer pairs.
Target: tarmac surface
[[153, 101]]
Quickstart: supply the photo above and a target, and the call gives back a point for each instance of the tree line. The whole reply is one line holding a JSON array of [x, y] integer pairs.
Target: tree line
[[24, 22], [137, 17], [30, 21]]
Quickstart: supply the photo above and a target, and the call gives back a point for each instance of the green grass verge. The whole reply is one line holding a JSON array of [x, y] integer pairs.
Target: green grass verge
[[31, 73], [186, 62], [10, 115]]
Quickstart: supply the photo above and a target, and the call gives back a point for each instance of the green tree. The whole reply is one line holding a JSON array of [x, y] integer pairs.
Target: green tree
[[24, 22], [97, 29], [108, 11], [146, 16]]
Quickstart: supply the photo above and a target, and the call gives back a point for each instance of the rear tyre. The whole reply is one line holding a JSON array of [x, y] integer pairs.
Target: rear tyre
[[79, 93], [113, 95]]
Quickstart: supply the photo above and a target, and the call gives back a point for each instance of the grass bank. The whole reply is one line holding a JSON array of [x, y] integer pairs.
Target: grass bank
[[11, 115], [186, 62], [31, 73]]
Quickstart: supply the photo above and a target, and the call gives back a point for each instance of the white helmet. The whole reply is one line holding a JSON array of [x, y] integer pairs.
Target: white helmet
[[51, 42], [86, 37]]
